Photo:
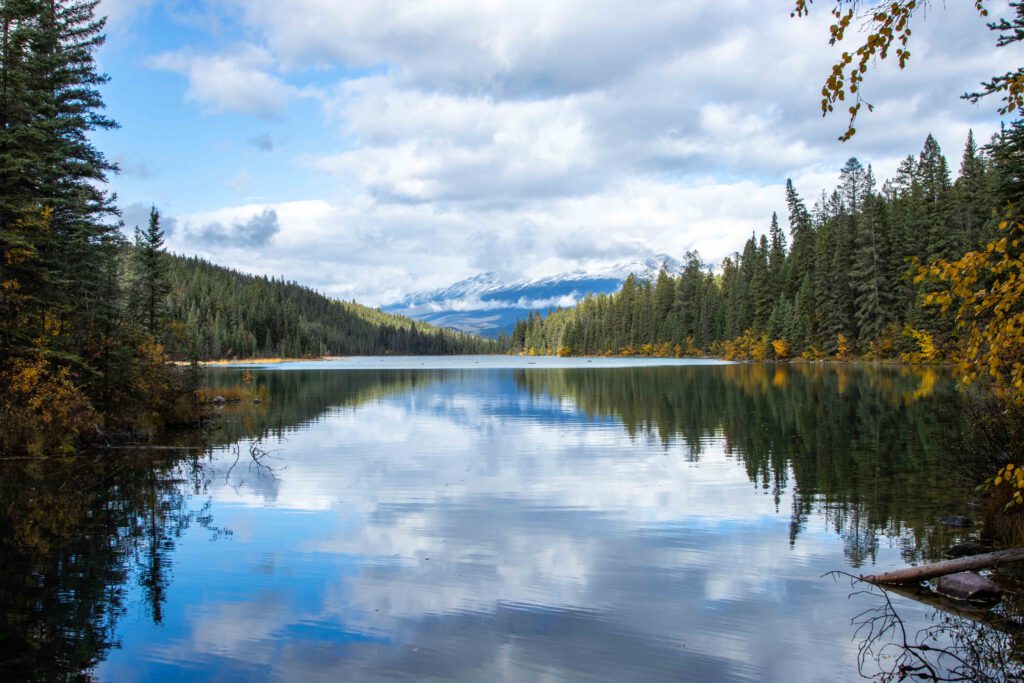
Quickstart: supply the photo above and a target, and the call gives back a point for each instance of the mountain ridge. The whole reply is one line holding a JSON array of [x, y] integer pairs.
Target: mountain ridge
[[485, 304]]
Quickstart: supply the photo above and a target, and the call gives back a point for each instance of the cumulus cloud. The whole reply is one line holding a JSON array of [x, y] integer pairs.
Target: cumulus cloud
[[131, 167], [236, 81], [136, 215], [531, 137], [120, 13]]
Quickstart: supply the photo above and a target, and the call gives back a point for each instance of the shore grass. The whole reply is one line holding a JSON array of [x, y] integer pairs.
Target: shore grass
[[254, 361]]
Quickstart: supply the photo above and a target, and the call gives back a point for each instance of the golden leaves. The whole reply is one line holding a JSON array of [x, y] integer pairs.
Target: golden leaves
[[985, 291], [886, 26]]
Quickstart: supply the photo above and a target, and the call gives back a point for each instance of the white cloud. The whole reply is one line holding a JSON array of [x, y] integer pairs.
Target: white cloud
[[237, 81], [532, 137]]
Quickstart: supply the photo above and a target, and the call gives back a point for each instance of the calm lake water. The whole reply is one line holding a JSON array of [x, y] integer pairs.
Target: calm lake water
[[488, 519]]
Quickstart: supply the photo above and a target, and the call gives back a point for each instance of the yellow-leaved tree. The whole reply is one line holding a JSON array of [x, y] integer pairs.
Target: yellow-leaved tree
[[984, 290]]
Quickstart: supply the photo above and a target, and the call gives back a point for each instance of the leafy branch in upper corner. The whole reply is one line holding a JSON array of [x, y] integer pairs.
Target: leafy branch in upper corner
[[886, 26], [1011, 84]]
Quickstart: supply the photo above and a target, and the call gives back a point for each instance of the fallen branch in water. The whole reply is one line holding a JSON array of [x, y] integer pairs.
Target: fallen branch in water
[[952, 647], [962, 564]]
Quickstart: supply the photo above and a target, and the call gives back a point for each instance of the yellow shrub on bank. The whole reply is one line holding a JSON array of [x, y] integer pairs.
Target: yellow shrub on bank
[[747, 346], [781, 348], [43, 410], [927, 351]]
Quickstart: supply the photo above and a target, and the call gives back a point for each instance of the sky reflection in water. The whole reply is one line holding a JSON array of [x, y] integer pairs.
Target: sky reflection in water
[[668, 523]]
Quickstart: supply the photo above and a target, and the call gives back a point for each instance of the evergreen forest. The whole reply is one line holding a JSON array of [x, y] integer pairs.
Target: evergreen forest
[[221, 313], [844, 283]]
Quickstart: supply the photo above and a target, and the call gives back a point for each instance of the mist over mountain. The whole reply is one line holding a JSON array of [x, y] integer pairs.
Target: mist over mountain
[[485, 304]]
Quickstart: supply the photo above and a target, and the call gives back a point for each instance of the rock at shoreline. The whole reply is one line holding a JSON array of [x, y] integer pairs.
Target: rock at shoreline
[[966, 549], [968, 586], [218, 400]]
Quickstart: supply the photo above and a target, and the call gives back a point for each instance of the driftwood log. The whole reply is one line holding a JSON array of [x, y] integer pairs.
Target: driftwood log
[[962, 564]]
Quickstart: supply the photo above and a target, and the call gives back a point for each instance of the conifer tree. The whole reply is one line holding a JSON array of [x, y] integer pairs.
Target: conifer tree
[[152, 272], [972, 209], [801, 232]]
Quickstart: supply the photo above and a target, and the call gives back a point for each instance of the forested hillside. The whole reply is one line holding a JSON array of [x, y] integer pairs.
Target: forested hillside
[[76, 363], [221, 313], [842, 284]]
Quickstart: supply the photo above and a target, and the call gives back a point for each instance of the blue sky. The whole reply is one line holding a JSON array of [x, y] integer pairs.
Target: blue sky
[[373, 148]]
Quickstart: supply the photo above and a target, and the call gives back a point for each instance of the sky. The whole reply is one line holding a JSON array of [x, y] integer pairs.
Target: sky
[[373, 148]]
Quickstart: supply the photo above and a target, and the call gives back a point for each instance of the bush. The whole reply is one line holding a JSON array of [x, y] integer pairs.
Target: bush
[[1003, 507], [42, 409]]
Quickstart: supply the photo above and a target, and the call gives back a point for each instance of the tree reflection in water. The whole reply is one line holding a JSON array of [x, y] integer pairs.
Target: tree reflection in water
[[77, 532], [869, 447], [73, 534]]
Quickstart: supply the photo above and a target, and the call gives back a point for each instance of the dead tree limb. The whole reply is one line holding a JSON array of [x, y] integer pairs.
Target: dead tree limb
[[962, 564]]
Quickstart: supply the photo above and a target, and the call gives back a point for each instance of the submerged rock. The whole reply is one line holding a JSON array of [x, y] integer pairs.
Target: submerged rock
[[968, 586], [966, 549], [956, 520]]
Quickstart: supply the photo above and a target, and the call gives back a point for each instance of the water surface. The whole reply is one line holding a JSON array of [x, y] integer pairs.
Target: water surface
[[487, 519]]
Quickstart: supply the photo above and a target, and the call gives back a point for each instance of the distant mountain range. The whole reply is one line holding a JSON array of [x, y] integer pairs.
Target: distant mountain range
[[485, 305]]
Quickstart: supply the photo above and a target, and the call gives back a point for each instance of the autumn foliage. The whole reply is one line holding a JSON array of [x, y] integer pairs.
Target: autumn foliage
[[42, 408], [984, 291]]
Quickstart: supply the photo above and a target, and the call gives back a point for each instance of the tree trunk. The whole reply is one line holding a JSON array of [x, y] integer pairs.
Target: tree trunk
[[930, 571]]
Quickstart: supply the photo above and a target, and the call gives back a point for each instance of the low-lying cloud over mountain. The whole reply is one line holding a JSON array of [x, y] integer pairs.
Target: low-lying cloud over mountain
[[488, 305]]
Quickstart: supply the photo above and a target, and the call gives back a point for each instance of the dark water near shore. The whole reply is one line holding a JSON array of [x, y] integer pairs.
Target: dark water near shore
[[455, 521]]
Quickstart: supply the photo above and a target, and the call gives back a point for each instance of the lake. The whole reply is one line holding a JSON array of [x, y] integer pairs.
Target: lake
[[489, 519]]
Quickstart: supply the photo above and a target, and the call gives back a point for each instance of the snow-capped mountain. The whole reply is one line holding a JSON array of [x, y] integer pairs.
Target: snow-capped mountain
[[486, 305]]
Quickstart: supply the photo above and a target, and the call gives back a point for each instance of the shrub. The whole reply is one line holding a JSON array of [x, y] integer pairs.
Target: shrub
[[42, 409], [1003, 508]]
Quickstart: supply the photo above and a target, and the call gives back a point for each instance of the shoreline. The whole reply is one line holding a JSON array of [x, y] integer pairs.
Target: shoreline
[[774, 361], [253, 361]]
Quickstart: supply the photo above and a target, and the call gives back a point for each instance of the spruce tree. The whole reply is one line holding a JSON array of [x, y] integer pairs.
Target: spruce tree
[[152, 272], [934, 219], [776, 255], [801, 232], [972, 208], [873, 296]]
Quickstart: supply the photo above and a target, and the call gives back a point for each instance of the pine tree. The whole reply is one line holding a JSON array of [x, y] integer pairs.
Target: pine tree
[[801, 232], [873, 297], [49, 104], [152, 267], [1006, 151], [776, 255], [972, 207], [934, 183]]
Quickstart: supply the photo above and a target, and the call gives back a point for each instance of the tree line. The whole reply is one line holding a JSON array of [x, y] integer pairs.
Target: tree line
[[842, 284], [221, 313]]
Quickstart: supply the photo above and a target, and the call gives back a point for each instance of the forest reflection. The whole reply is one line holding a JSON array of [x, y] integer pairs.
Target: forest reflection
[[875, 448], [74, 533], [871, 448]]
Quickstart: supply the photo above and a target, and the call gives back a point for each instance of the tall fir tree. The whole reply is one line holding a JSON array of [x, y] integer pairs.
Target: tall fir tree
[[151, 273], [801, 233]]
